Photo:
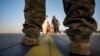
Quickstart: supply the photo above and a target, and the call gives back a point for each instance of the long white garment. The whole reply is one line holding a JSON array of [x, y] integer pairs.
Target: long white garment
[[44, 26]]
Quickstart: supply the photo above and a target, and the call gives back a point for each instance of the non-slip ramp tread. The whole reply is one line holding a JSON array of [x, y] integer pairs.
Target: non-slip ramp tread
[[47, 47]]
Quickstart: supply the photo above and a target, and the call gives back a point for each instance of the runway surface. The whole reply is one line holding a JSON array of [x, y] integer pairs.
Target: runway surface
[[50, 45]]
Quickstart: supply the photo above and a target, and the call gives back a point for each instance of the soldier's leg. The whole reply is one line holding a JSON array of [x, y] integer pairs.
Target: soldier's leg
[[81, 24], [54, 29], [57, 28], [34, 13]]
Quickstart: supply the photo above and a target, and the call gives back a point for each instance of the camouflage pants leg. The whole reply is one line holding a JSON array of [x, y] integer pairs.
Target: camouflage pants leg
[[34, 13], [81, 24]]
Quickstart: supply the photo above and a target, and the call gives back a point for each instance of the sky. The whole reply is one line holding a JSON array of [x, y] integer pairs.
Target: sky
[[12, 15]]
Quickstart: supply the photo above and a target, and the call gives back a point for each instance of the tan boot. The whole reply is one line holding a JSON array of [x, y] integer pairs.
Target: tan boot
[[30, 41], [80, 48]]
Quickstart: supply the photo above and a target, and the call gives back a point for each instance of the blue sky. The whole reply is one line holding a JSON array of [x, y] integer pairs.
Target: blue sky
[[12, 16]]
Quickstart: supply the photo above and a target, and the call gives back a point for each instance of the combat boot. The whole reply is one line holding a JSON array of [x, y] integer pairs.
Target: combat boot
[[30, 41]]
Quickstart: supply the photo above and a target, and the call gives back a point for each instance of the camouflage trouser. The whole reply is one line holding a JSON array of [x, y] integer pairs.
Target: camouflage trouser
[[34, 17], [34, 13], [81, 24], [79, 20]]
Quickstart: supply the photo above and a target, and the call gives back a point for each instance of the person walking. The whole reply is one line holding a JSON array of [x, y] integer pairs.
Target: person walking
[[56, 24]]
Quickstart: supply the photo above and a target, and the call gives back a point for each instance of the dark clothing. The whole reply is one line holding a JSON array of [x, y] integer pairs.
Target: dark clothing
[[56, 24]]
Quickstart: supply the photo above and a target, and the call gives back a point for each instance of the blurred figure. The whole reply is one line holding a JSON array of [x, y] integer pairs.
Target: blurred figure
[[56, 24], [45, 25]]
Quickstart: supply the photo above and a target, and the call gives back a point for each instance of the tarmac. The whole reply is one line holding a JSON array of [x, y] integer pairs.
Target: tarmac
[[50, 45]]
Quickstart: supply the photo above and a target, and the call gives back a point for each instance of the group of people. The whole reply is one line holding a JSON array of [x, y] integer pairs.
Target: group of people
[[51, 28], [78, 18]]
